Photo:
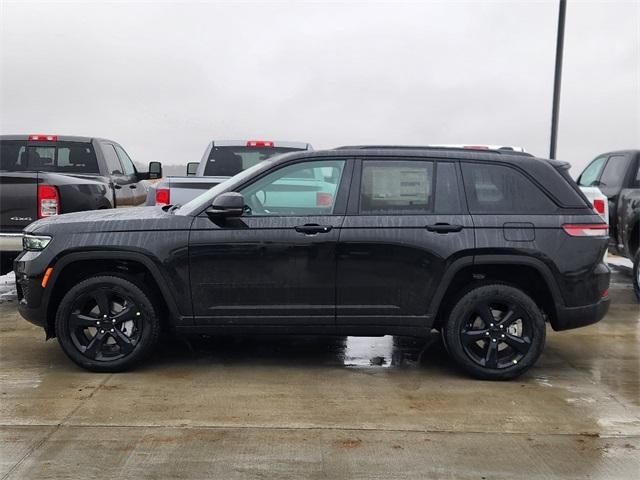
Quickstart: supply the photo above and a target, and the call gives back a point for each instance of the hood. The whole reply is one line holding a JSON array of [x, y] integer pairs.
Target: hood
[[112, 220]]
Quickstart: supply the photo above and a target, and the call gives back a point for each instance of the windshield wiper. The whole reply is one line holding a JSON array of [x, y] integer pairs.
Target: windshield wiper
[[174, 207]]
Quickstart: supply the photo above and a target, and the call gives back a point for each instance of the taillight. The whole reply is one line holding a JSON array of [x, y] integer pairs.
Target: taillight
[[588, 230], [48, 201], [259, 143], [43, 138], [324, 199], [163, 196], [598, 206]]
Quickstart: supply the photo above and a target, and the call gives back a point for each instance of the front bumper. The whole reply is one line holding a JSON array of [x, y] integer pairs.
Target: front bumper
[[32, 304], [10, 242], [575, 317]]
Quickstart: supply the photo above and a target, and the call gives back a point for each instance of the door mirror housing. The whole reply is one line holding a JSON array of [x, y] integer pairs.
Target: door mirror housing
[[192, 168], [229, 204], [155, 170]]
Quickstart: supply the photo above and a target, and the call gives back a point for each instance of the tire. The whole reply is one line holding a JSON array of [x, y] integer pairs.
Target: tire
[[636, 274], [132, 324], [495, 332]]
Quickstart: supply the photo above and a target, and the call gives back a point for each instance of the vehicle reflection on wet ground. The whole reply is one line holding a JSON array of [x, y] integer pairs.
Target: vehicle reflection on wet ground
[[324, 407]]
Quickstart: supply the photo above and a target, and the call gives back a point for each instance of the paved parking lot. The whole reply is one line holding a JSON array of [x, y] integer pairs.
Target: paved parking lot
[[324, 408]]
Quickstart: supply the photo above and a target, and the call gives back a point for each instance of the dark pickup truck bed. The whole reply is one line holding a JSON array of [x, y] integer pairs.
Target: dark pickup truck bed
[[44, 175]]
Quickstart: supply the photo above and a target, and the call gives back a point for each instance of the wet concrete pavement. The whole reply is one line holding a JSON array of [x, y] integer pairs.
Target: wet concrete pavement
[[315, 407]]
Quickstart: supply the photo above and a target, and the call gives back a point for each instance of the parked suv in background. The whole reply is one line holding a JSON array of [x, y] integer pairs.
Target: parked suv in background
[[222, 159], [485, 246], [617, 175], [44, 175]]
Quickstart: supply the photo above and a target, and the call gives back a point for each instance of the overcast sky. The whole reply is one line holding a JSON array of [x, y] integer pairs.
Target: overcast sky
[[164, 78]]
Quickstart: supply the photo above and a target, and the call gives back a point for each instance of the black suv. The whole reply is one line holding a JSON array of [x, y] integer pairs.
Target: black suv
[[484, 246]]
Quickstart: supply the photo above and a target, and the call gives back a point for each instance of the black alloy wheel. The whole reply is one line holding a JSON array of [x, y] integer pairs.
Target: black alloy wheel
[[107, 323], [495, 331]]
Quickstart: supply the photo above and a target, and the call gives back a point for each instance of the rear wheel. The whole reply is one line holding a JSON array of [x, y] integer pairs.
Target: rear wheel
[[107, 324], [495, 332]]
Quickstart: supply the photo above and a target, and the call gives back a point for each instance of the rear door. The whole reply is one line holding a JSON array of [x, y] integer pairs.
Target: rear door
[[405, 222], [614, 178], [119, 180]]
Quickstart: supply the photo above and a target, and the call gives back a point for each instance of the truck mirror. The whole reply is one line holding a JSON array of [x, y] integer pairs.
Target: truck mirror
[[155, 170], [192, 168]]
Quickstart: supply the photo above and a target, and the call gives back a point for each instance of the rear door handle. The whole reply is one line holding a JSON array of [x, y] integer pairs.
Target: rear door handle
[[444, 228], [312, 228], [133, 185]]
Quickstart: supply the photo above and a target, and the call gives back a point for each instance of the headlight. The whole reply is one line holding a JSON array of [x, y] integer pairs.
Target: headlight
[[35, 243]]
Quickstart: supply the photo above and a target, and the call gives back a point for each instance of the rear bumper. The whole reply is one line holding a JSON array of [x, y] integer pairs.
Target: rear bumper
[[10, 242], [575, 317]]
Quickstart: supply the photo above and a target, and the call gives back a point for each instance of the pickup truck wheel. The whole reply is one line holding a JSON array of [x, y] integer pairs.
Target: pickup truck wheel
[[636, 274], [495, 332], [107, 324]]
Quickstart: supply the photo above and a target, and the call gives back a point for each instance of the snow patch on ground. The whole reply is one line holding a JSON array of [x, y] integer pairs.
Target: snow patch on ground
[[8, 288]]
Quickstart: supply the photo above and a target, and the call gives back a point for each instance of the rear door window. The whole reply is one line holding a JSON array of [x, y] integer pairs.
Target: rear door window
[[499, 189], [614, 172], [396, 187], [113, 163]]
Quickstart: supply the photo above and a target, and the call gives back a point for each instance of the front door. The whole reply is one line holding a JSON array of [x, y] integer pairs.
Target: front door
[[275, 265], [119, 181]]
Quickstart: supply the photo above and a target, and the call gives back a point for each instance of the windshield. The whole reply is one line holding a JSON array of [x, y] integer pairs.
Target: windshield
[[64, 157], [194, 206], [230, 160]]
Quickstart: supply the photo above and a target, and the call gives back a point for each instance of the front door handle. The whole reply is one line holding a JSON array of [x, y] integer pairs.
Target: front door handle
[[133, 185], [313, 228], [444, 228], [116, 186]]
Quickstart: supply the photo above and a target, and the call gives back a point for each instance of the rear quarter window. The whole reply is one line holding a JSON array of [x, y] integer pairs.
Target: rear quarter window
[[499, 189]]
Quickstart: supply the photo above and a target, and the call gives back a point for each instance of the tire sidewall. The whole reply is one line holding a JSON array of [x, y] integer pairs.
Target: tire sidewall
[[150, 328], [460, 313]]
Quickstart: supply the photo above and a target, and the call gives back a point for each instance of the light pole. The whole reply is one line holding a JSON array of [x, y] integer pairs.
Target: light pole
[[557, 81]]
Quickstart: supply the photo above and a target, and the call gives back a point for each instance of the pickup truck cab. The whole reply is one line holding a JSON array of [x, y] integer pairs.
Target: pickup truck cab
[[222, 159], [617, 175], [45, 175]]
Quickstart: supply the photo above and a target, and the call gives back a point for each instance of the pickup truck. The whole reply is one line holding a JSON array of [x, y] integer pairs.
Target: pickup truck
[[222, 160], [45, 175], [617, 175]]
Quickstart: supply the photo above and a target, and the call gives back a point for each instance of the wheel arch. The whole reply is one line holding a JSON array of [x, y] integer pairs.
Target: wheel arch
[[77, 266], [529, 274]]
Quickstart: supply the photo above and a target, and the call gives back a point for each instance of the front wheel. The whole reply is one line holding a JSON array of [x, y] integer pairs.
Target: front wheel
[[495, 332], [107, 324]]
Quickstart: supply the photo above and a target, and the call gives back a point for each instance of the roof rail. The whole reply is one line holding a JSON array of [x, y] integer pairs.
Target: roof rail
[[501, 150]]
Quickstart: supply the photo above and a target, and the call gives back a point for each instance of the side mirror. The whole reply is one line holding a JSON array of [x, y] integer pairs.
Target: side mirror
[[192, 168], [229, 204], [155, 170]]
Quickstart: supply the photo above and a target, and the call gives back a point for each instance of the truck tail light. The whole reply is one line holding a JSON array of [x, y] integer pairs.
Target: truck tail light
[[586, 230], [163, 196], [259, 143], [598, 206], [43, 138], [48, 201], [324, 199]]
